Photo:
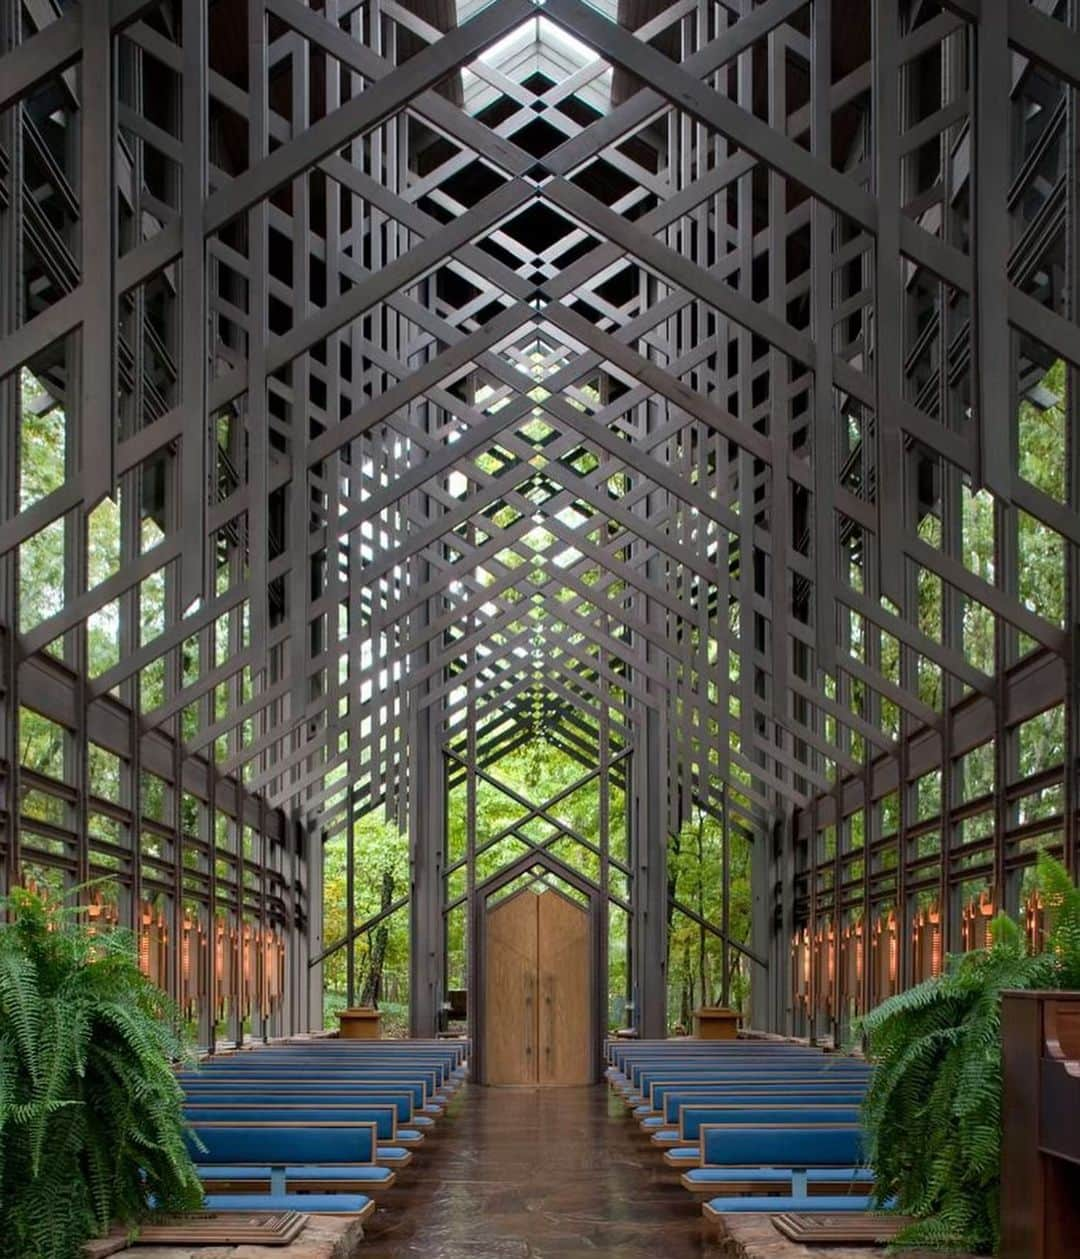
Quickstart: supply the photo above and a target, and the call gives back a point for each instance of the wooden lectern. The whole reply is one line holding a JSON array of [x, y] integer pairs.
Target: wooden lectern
[[716, 1022], [360, 1023], [1040, 1139]]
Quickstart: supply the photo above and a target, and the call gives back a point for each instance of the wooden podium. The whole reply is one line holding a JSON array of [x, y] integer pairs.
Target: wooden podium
[[716, 1022], [1040, 1139], [360, 1023]]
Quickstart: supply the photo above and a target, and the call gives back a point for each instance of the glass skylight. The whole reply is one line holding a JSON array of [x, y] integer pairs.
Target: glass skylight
[[537, 46]]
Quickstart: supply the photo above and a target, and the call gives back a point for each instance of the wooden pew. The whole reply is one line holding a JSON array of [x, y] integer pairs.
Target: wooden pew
[[761, 1182], [334, 1060], [669, 1129], [287, 1068], [714, 1052], [259, 1162], [654, 1108], [351, 1091], [400, 1101], [390, 1152], [622, 1079], [795, 1151], [652, 1076], [685, 1146], [339, 1080], [1040, 1166]]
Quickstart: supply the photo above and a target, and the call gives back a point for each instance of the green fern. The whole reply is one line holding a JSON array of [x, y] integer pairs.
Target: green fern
[[91, 1114], [1061, 899], [933, 1109]]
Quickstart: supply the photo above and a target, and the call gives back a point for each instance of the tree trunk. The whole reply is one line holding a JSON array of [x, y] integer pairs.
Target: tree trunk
[[373, 983], [672, 878], [686, 1012]]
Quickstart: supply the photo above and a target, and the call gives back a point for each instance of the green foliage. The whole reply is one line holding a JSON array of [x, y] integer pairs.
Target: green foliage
[[1061, 900], [985, 530], [537, 771], [44, 559], [933, 1110], [695, 967], [1041, 432], [91, 1120], [381, 854]]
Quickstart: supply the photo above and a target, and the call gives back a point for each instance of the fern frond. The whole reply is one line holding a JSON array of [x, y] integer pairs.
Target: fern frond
[[932, 1112], [91, 1112]]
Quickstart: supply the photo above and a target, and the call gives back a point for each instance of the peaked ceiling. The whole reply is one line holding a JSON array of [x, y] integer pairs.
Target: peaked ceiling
[[534, 368]]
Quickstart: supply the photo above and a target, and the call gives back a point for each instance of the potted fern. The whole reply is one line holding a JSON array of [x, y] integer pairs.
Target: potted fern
[[91, 1119], [933, 1110]]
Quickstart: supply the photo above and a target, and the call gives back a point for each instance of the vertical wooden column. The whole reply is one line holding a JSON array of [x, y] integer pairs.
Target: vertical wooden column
[[426, 840]]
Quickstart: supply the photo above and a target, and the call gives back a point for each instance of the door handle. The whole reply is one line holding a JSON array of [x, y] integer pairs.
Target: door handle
[[549, 1001], [530, 1017]]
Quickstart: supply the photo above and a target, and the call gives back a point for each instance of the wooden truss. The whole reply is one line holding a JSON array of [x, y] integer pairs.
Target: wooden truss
[[640, 358]]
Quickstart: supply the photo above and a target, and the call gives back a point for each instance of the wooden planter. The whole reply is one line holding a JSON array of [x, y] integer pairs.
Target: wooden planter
[[1040, 1145], [360, 1023], [716, 1022]]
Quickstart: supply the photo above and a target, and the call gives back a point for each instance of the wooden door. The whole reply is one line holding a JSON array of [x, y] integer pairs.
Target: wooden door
[[510, 991], [537, 992], [565, 988]]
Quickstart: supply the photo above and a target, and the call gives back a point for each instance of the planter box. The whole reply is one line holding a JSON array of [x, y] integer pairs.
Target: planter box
[[716, 1022], [322, 1237], [360, 1023]]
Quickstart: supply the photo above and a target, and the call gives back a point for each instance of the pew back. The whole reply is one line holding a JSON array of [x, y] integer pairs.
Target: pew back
[[383, 1117], [693, 1118], [280, 1143], [401, 1102], [675, 1101], [768, 1145]]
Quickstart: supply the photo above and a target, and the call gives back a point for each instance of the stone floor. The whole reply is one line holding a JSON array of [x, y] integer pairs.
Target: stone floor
[[554, 1174], [539, 1174]]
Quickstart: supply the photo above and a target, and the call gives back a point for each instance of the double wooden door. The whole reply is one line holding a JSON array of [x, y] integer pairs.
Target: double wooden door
[[537, 988]]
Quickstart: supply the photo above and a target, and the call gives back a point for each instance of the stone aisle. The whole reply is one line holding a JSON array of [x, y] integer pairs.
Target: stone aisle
[[557, 1174], [538, 1174]]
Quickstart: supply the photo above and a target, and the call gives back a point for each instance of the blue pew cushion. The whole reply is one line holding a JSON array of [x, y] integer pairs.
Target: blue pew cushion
[[704, 1176], [311, 1203], [298, 1172], [827, 1203]]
